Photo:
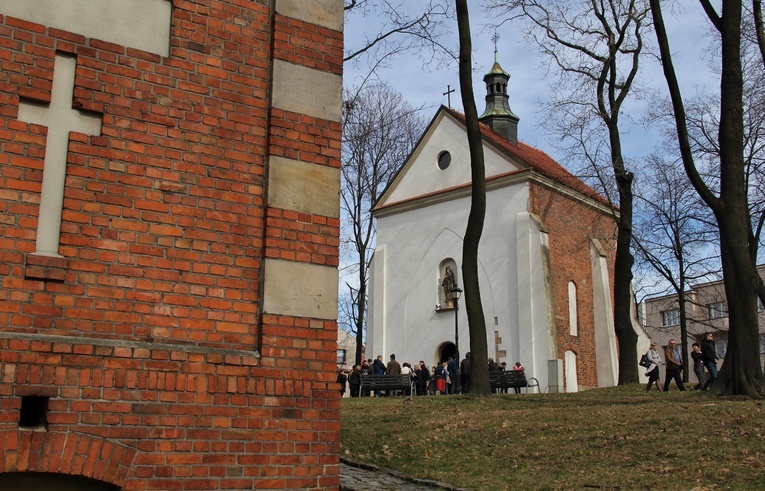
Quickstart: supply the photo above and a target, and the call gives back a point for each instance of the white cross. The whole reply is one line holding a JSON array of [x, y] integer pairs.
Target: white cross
[[60, 119]]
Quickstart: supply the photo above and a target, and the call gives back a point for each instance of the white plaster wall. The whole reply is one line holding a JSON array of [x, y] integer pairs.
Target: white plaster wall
[[404, 279], [422, 173], [534, 336], [605, 339]]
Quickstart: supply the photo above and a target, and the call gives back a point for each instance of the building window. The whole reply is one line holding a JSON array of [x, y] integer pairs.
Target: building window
[[670, 317], [341, 357], [717, 310], [721, 346], [444, 159], [573, 321]]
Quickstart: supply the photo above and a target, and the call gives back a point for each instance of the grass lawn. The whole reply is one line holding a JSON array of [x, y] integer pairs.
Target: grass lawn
[[617, 438]]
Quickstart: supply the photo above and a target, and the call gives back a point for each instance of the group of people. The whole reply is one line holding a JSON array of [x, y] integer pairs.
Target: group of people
[[443, 378], [704, 357]]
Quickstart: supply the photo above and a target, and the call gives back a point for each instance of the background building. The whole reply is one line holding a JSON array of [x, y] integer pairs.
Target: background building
[[169, 180], [706, 311]]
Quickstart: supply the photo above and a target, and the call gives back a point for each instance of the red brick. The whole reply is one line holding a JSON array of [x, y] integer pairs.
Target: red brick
[[163, 235]]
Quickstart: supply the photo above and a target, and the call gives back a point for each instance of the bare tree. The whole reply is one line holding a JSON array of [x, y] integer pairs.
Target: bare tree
[[703, 122], [741, 372], [380, 129], [596, 47], [674, 233], [394, 27], [479, 370]]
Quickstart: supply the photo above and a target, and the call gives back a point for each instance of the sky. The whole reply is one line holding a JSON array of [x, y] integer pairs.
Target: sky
[[424, 85], [529, 84]]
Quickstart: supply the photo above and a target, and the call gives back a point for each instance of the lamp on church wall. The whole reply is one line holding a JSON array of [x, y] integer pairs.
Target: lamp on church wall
[[456, 294]]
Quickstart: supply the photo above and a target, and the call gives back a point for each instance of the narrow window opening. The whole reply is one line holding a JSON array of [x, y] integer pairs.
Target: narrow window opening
[[34, 412]]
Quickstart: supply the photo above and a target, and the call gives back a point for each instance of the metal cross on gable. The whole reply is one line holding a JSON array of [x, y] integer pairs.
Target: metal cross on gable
[[495, 40], [448, 94]]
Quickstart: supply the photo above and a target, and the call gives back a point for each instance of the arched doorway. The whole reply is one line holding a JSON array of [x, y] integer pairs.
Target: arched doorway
[[445, 351], [40, 481]]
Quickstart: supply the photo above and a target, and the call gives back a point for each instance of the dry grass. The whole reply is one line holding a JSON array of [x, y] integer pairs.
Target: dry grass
[[617, 438]]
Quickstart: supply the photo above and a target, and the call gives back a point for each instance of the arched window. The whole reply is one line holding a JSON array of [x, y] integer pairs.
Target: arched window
[[573, 322]]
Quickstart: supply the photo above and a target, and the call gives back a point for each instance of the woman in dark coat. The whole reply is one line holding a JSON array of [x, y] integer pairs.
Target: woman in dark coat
[[355, 380]]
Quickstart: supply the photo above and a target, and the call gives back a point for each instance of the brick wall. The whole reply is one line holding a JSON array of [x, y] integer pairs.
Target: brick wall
[[149, 335], [570, 260]]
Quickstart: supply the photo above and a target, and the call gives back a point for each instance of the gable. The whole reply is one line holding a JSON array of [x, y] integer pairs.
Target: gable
[[421, 176]]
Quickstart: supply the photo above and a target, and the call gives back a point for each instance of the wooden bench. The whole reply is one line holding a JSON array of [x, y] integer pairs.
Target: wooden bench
[[512, 379], [375, 383]]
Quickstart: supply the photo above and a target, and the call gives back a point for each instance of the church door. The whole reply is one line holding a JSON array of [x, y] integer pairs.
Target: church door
[[447, 350]]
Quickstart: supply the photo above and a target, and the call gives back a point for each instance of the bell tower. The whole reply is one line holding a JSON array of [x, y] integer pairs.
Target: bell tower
[[498, 116]]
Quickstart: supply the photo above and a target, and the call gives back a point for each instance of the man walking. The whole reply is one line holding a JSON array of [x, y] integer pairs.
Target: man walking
[[674, 360], [709, 358]]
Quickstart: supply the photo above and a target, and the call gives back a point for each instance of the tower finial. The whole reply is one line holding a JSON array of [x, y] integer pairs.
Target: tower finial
[[495, 39]]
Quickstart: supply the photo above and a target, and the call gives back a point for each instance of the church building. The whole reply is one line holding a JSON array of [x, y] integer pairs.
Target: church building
[[545, 258], [169, 230]]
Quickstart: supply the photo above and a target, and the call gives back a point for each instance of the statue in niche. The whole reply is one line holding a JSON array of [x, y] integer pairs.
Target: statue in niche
[[448, 284]]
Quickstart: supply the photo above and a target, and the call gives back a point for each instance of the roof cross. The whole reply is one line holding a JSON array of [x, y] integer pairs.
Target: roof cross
[[448, 94]]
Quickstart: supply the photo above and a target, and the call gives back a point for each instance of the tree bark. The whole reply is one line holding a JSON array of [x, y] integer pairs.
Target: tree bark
[[479, 370], [741, 372], [625, 333]]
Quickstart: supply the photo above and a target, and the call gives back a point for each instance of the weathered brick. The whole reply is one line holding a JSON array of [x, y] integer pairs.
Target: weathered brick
[[155, 300]]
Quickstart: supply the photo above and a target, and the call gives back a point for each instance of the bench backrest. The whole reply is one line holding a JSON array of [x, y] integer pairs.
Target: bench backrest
[[508, 378], [382, 382]]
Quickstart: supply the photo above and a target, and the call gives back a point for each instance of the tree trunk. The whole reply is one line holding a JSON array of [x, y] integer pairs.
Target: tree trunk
[[741, 373], [479, 369], [625, 333]]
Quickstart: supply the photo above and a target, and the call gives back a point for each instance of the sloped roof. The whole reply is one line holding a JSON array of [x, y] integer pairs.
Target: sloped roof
[[537, 160], [525, 155]]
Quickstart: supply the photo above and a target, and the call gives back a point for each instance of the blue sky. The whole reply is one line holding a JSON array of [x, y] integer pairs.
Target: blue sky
[[423, 85], [528, 89]]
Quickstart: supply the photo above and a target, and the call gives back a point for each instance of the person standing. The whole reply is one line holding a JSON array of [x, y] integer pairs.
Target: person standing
[[378, 368], [465, 373], [493, 367], [423, 379], [439, 376], [406, 369], [342, 378], [709, 358], [698, 365], [652, 370], [393, 367], [451, 367], [354, 379], [518, 366], [674, 362]]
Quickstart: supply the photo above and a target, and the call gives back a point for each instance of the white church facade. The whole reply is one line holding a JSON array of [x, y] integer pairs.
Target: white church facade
[[546, 255]]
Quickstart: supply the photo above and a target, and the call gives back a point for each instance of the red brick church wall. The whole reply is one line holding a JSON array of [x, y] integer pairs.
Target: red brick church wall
[[148, 335], [572, 225]]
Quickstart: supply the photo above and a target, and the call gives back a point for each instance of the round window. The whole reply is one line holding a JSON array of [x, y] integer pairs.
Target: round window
[[444, 159]]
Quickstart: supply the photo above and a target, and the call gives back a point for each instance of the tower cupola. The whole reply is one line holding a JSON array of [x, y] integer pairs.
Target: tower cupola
[[498, 116]]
